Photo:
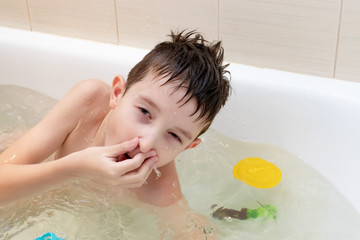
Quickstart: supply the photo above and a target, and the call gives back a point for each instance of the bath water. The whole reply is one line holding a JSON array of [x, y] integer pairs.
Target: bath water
[[20, 109], [309, 206]]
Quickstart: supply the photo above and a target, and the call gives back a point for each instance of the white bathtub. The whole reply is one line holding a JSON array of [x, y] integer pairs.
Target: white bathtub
[[316, 119]]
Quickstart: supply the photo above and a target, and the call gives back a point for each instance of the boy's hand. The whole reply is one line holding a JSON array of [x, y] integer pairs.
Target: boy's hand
[[109, 165]]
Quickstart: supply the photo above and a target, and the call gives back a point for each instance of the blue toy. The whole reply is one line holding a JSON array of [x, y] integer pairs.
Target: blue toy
[[49, 236]]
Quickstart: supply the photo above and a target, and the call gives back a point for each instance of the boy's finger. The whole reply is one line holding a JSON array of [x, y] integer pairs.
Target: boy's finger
[[139, 176], [149, 154], [118, 149], [129, 165], [147, 168]]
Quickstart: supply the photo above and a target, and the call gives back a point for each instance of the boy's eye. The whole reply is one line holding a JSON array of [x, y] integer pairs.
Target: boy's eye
[[175, 136], [144, 111]]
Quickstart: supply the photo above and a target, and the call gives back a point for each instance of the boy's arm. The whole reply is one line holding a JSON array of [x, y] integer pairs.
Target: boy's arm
[[22, 172], [95, 163]]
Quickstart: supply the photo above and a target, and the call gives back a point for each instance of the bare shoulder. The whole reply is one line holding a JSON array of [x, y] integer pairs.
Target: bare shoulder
[[90, 89], [86, 95], [50, 133]]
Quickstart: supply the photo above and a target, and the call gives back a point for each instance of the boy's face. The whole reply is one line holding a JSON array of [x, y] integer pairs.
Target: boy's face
[[155, 114]]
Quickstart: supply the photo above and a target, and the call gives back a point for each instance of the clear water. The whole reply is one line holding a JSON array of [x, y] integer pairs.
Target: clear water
[[20, 109], [309, 206]]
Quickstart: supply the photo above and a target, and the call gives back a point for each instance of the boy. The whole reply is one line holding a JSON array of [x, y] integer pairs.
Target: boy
[[117, 135]]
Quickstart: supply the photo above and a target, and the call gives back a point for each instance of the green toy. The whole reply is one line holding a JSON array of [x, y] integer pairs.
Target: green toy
[[265, 210]]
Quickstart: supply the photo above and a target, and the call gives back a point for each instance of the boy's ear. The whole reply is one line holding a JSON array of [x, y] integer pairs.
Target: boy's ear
[[194, 143], [118, 88]]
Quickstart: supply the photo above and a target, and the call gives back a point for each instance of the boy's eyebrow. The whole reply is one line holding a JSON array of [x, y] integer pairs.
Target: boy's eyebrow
[[150, 102]]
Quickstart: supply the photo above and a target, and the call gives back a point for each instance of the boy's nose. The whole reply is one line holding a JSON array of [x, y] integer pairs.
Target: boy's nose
[[147, 142]]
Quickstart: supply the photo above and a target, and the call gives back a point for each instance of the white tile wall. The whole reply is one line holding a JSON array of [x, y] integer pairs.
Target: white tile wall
[[13, 13], [145, 23], [93, 20], [302, 36], [348, 58], [293, 35]]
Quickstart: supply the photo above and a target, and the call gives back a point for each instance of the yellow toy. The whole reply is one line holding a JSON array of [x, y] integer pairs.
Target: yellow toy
[[257, 172]]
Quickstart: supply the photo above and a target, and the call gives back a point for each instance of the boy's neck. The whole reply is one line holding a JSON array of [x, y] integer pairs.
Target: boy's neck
[[100, 134]]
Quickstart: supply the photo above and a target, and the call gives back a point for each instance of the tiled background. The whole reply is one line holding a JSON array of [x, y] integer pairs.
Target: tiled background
[[318, 37]]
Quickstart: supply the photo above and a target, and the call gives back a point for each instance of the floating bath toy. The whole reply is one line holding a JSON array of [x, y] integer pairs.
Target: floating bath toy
[[265, 210], [49, 236], [257, 172]]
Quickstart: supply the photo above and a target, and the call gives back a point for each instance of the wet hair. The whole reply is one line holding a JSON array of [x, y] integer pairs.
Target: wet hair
[[191, 62]]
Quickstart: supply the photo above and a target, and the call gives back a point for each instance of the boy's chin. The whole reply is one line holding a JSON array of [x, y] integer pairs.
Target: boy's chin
[[161, 164]]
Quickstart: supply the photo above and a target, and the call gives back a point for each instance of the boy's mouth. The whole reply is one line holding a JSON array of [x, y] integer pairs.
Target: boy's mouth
[[127, 156]]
